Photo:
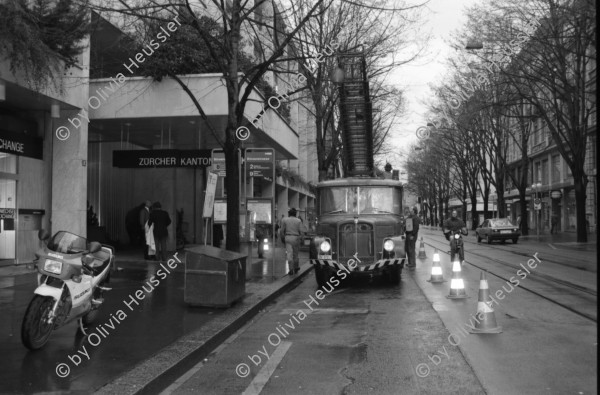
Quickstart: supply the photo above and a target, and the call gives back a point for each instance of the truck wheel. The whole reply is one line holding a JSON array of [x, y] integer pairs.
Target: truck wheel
[[393, 275], [322, 275]]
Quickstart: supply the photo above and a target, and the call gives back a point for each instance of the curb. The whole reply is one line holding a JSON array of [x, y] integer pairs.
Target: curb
[[160, 370]]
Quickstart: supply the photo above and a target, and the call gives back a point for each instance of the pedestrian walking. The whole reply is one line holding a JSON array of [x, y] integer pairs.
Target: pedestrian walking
[[161, 220], [291, 230], [412, 232], [144, 227], [277, 228]]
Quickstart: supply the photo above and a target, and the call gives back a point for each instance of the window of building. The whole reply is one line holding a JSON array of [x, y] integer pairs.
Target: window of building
[[8, 163], [538, 172], [556, 173], [545, 180]]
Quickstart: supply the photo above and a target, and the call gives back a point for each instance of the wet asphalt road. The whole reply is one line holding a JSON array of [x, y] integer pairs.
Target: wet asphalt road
[[132, 340], [359, 339]]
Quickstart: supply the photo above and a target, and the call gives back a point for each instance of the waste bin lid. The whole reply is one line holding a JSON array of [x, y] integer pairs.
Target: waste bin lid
[[215, 252]]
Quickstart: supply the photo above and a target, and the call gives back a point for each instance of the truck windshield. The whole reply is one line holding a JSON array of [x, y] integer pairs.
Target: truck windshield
[[360, 200]]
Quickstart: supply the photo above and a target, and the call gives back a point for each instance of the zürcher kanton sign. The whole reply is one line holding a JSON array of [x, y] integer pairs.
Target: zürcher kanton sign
[[161, 158]]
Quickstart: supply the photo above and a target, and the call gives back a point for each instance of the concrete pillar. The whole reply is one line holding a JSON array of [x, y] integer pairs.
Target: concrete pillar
[[69, 174]]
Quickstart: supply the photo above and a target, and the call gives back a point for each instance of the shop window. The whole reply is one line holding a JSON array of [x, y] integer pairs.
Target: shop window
[[8, 163]]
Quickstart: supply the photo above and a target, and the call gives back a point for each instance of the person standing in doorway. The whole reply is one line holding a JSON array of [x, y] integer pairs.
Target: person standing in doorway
[[291, 229], [144, 215], [161, 220], [412, 231]]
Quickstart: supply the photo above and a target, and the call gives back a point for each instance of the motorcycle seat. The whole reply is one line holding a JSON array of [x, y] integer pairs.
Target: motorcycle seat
[[102, 259]]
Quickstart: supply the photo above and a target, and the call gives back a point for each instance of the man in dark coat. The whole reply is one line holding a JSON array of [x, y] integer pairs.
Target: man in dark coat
[[412, 233], [161, 220]]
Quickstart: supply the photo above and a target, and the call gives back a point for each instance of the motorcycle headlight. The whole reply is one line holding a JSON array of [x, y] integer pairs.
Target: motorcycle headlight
[[325, 246], [53, 266], [388, 245], [457, 236], [265, 240]]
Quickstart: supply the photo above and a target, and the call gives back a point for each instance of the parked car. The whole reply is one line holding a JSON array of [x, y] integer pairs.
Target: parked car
[[498, 229]]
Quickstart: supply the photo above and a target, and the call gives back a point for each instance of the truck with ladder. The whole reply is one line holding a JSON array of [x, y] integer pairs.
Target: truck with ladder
[[360, 227]]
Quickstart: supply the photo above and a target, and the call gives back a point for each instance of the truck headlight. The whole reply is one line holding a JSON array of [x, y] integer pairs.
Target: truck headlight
[[388, 245], [325, 246], [53, 266]]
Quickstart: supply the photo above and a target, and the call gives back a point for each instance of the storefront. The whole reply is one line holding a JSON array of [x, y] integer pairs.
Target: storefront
[[22, 186]]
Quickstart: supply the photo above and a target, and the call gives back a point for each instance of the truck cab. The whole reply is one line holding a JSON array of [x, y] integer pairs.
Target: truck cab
[[360, 229]]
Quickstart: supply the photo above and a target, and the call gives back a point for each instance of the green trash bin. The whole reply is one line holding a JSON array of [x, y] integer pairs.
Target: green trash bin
[[213, 277]]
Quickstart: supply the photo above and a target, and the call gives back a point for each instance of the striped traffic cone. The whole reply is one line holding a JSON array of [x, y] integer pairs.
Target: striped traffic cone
[[422, 254], [436, 269], [457, 285], [486, 319]]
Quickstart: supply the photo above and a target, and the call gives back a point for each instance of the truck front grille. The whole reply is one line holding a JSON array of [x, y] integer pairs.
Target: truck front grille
[[356, 239]]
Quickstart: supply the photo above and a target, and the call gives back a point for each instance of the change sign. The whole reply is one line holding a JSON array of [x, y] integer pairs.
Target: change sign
[[260, 163]]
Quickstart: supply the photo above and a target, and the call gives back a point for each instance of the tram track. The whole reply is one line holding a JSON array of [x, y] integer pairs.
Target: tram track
[[444, 247]]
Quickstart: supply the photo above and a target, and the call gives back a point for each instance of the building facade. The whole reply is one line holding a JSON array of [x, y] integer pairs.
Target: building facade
[[104, 142]]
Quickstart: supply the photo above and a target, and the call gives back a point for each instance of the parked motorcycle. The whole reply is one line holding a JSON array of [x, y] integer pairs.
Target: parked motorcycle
[[456, 243], [72, 275]]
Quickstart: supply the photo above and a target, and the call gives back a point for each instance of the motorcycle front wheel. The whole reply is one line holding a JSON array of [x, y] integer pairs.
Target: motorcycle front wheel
[[35, 330]]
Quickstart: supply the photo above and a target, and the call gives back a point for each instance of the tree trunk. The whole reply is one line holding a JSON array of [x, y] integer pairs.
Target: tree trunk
[[500, 206], [524, 216], [474, 215], [580, 182], [232, 183]]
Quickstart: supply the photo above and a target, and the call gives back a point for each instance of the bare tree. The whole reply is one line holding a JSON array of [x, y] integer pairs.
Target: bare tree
[[223, 37], [553, 72], [356, 26]]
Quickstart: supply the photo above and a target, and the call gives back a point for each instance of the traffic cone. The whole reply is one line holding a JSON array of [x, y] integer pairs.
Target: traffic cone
[[486, 319], [457, 285], [422, 254], [436, 269]]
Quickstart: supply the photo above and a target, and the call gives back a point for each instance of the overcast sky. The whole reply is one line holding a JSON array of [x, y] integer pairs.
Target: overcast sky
[[441, 18]]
